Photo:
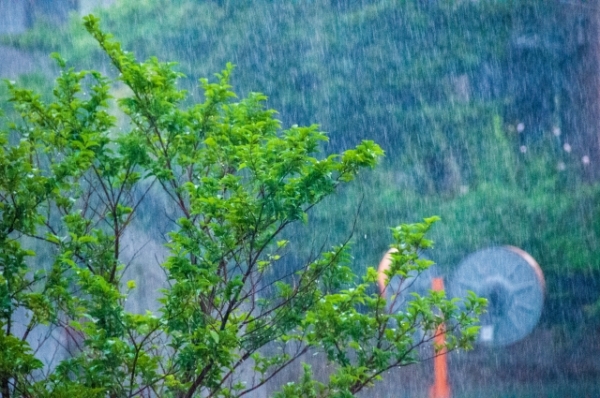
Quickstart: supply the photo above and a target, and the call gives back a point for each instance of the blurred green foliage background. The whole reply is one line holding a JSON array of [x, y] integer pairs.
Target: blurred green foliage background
[[478, 105]]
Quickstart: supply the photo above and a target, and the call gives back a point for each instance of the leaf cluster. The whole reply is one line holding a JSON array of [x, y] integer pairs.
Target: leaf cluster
[[74, 178]]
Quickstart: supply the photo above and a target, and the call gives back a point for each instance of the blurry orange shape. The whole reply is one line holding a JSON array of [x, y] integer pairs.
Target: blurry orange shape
[[440, 387]]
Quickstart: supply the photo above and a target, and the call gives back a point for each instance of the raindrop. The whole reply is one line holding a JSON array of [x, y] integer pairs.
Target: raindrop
[[556, 131]]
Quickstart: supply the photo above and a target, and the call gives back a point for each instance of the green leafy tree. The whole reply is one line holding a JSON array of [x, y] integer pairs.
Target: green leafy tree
[[73, 179], [442, 86]]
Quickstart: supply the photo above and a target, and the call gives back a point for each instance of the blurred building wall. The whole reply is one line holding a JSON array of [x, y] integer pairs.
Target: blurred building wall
[[582, 93], [88, 6], [12, 17], [553, 76], [16, 16]]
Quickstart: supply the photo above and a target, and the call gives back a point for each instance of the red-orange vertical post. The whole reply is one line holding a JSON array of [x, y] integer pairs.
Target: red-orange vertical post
[[440, 388]]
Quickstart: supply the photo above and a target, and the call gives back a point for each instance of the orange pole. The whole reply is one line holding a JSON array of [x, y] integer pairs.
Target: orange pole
[[384, 265], [440, 388]]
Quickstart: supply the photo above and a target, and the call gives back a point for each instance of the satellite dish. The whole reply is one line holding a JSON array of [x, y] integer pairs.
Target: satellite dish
[[512, 282], [398, 290]]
